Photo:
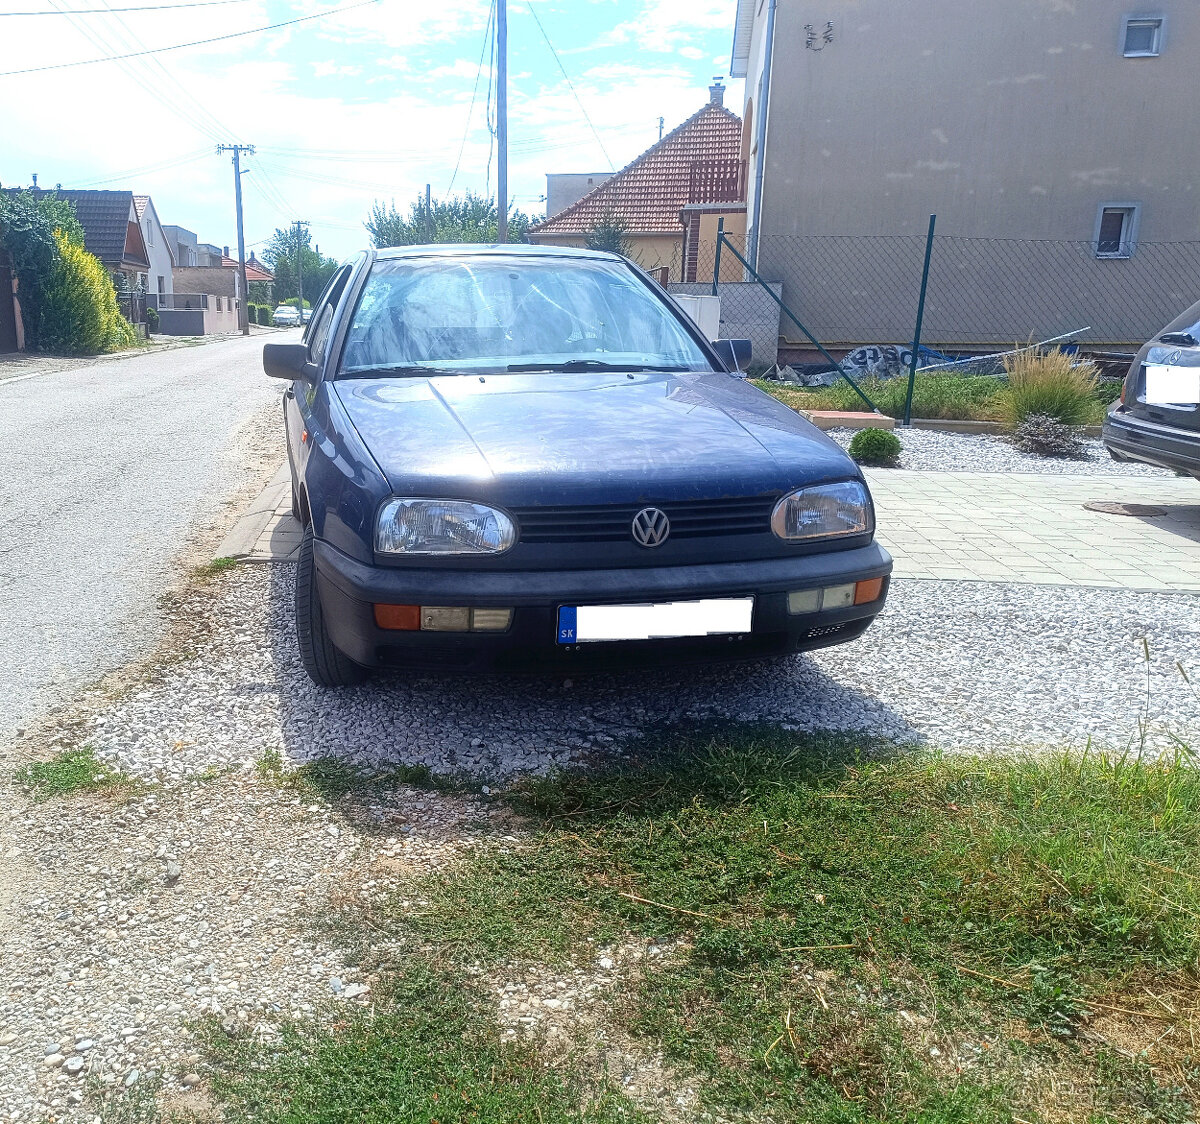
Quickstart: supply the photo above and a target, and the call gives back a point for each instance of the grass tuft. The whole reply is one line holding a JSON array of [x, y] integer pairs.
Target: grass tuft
[[1049, 383], [331, 779], [73, 770], [215, 567]]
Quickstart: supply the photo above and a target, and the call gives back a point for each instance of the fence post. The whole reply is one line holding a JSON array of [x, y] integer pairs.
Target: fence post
[[717, 255], [916, 347]]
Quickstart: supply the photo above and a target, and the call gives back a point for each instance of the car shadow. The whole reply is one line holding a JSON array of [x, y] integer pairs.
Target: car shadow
[[498, 726], [1181, 519]]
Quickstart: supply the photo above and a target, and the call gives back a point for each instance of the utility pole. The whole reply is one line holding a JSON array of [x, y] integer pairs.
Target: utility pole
[[237, 150], [661, 122], [300, 268], [502, 120], [428, 215]]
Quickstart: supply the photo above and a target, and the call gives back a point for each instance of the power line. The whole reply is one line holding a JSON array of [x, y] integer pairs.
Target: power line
[[146, 8], [570, 85], [193, 43], [487, 38]]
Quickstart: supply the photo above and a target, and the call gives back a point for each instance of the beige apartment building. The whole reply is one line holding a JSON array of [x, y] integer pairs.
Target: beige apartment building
[[1055, 140]]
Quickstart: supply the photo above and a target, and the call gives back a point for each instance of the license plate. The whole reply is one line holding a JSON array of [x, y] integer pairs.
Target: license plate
[[1172, 386], [669, 620]]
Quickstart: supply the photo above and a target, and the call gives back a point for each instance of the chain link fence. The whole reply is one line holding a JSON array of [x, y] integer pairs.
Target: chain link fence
[[984, 293]]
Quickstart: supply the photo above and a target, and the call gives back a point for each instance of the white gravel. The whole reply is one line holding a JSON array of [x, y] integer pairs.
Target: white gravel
[[955, 665], [930, 450]]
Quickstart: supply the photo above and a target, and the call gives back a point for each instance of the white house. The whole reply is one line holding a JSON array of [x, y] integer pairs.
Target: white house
[[158, 247]]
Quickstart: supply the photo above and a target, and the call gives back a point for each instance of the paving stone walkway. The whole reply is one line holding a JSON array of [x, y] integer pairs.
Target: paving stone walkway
[[957, 526]]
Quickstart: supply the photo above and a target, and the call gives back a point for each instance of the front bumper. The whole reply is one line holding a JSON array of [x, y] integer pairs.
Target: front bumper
[[349, 590], [1130, 438]]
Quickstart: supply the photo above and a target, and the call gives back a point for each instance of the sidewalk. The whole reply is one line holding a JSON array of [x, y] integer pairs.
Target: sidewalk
[[956, 526]]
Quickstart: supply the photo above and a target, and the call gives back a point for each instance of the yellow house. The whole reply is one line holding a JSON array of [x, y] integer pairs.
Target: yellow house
[[670, 199]]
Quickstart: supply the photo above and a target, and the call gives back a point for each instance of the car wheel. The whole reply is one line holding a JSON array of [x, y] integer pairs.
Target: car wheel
[[325, 664]]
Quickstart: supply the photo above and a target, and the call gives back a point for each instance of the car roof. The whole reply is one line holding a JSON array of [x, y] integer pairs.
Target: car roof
[[475, 249]]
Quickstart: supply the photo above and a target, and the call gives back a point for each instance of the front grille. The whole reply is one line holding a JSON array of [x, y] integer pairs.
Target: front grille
[[690, 519], [824, 630]]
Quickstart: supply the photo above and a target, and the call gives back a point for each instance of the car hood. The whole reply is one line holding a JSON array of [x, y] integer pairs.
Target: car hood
[[586, 438]]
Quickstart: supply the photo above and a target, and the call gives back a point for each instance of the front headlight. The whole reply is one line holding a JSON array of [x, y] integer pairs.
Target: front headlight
[[411, 526], [824, 511]]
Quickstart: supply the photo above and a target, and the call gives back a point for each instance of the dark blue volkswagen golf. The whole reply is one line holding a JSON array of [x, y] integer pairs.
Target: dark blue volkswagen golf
[[522, 457]]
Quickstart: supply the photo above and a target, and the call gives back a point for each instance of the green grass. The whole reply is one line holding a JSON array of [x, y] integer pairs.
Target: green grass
[[73, 770], [839, 916], [944, 397], [215, 567], [429, 1056], [331, 779]]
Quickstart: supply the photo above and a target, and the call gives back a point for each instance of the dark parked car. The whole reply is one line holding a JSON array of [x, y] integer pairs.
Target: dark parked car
[[1157, 420], [521, 456]]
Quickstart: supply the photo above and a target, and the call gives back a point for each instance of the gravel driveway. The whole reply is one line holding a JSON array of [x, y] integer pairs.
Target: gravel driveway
[[950, 664]]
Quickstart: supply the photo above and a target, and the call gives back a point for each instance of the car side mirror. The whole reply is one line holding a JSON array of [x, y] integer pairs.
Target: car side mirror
[[285, 360], [735, 354]]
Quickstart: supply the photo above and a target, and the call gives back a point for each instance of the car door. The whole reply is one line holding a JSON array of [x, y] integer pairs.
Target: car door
[[1176, 348], [300, 395]]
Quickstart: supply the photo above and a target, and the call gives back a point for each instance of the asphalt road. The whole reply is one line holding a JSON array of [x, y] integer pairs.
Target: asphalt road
[[104, 470]]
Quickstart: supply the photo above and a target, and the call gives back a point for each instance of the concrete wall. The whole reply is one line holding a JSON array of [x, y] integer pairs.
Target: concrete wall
[[565, 188], [180, 322], [746, 313], [1009, 121], [206, 279]]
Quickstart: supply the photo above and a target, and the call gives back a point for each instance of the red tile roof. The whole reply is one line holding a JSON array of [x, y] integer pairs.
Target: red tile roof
[[647, 194], [254, 271]]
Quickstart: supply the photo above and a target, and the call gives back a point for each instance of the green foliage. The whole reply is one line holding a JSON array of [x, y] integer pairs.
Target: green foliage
[[79, 313], [27, 226], [466, 218], [950, 397], [260, 292], [152, 319], [1051, 383], [282, 253], [264, 314], [251, 312], [609, 234], [74, 770], [875, 446]]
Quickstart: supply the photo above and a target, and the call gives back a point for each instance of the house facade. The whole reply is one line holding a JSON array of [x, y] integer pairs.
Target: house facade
[[1054, 130], [158, 247], [669, 199]]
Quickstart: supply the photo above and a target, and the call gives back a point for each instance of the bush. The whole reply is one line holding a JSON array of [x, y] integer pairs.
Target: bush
[[1049, 384], [152, 319], [265, 315], [875, 446], [79, 313], [251, 313], [1044, 436]]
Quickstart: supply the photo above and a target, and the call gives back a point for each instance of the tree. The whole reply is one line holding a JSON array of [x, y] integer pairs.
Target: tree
[[79, 312], [609, 234], [281, 255], [463, 218], [28, 224]]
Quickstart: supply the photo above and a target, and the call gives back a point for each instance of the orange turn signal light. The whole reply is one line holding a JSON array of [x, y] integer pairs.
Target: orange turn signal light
[[868, 591], [398, 618]]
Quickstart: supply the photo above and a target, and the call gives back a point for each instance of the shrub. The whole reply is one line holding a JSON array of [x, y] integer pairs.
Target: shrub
[[152, 319], [265, 314], [79, 313], [875, 446], [1049, 383], [1044, 436]]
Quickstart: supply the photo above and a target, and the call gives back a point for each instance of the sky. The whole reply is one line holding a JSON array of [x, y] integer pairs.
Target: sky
[[364, 104]]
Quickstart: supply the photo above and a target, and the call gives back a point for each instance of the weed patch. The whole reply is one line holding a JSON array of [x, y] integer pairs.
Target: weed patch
[[73, 770]]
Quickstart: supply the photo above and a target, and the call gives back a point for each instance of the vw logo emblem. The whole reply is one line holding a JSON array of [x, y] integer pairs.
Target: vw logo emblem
[[650, 527]]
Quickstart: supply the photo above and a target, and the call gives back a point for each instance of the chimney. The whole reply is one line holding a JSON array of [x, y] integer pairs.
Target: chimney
[[35, 179], [716, 92], [225, 250]]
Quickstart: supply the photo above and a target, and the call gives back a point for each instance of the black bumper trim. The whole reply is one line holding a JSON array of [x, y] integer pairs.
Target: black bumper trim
[[1128, 437]]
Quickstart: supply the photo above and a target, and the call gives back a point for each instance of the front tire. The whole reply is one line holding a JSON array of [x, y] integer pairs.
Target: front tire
[[325, 664]]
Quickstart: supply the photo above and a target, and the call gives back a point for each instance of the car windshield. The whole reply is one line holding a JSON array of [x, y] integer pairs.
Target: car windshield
[[489, 314]]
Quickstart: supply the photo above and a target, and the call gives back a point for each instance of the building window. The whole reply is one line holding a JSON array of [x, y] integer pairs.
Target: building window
[[1116, 230], [1141, 37]]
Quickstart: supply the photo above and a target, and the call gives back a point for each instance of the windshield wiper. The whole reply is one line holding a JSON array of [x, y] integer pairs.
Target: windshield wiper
[[401, 369], [592, 365]]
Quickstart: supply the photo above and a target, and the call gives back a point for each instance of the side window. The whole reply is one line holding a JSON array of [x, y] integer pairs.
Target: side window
[[322, 316]]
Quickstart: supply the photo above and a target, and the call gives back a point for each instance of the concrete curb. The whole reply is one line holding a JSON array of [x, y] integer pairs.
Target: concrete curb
[[265, 531]]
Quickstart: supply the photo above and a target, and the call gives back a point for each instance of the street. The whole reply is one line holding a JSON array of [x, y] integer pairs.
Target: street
[[106, 467]]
